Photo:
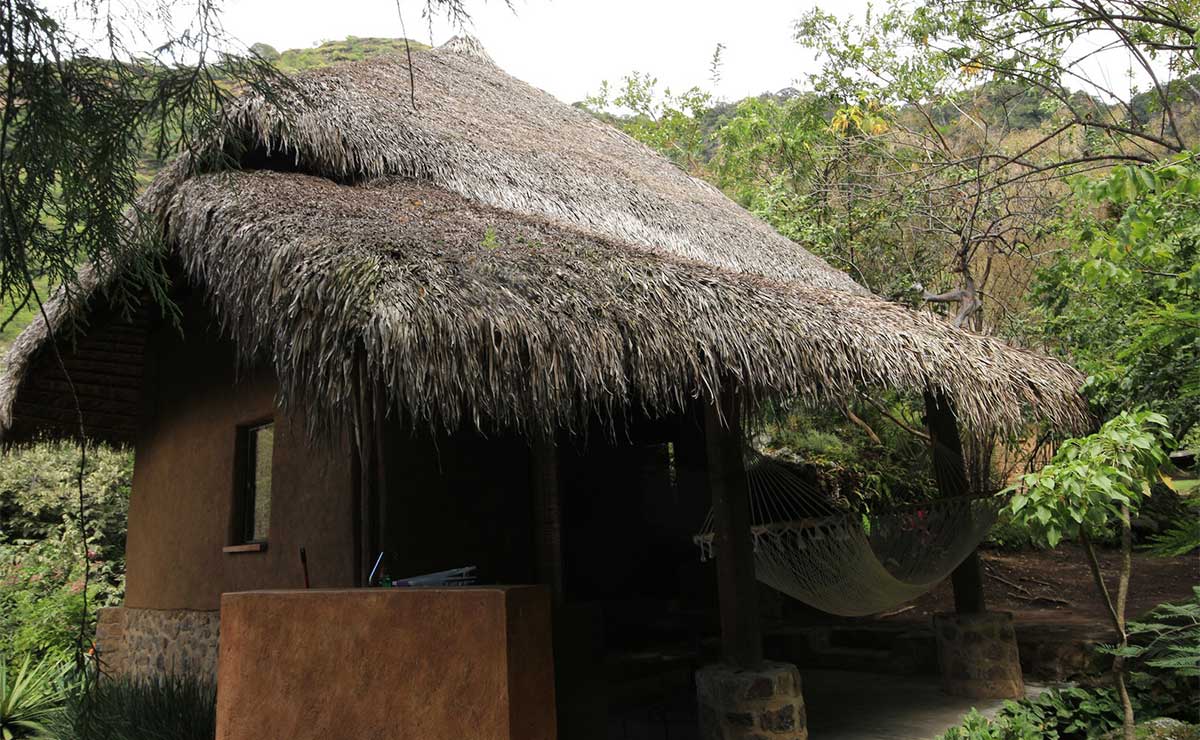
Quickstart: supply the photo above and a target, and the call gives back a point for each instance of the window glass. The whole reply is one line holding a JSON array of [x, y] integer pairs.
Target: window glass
[[260, 446]]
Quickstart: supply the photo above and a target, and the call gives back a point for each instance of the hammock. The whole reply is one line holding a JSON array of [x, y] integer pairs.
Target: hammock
[[851, 563]]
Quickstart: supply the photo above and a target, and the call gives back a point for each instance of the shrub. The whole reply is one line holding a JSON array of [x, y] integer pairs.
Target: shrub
[[1020, 724], [30, 697], [1164, 653], [1164, 685], [41, 543], [176, 707], [1167, 638]]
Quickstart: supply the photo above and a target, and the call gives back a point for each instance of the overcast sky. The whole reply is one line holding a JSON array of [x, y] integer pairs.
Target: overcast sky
[[568, 46]]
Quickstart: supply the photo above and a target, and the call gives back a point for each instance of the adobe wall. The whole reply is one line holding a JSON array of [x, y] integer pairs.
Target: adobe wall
[[181, 505], [434, 664]]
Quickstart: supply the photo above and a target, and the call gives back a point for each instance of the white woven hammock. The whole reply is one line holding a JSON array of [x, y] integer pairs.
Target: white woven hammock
[[851, 564]]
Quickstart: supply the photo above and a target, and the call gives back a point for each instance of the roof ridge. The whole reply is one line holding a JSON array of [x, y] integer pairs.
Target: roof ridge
[[467, 45]]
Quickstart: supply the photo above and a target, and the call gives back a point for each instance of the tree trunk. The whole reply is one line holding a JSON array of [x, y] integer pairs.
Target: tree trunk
[[1122, 598], [1116, 611]]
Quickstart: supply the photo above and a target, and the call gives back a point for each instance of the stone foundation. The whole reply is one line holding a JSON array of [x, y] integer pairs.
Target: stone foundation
[[762, 704], [110, 641], [1051, 652], [978, 655], [143, 643]]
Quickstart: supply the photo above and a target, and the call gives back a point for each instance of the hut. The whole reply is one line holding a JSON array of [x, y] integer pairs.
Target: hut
[[464, 324]]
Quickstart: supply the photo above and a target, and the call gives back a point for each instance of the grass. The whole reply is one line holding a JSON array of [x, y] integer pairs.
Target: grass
[[173, 707], [21, 319], [350, 49]]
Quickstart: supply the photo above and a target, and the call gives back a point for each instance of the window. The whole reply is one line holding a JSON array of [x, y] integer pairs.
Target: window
[[256, 444]]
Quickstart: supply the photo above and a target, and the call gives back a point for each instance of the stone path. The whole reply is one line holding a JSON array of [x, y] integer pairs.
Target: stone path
[[845, 705], [842, 705]]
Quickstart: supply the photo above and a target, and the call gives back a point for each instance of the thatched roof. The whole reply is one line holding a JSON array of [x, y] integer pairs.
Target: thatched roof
[[498, 257]]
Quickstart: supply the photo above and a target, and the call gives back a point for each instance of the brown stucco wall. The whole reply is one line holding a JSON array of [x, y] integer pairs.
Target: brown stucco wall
[[182, 499], [434, 664]]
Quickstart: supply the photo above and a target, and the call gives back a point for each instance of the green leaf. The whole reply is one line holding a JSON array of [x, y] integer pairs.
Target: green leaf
[[1053, 536]]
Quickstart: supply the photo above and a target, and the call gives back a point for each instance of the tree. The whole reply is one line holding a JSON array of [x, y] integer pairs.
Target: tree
[[79, 119], [265, 51], [672, 124], [959, 83], [1092, 484], [1125, 301]]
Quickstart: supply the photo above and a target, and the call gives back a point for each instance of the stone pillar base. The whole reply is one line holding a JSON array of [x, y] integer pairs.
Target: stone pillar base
[[761, 704], [978, 655]]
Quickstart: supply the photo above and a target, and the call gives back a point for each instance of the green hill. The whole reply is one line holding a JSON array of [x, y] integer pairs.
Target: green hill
[[350, 49]]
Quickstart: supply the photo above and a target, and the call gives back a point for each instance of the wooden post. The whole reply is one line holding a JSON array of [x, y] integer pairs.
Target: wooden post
[[547, 517], [737, 589], [950, 471], [382, 452], [366, 438]]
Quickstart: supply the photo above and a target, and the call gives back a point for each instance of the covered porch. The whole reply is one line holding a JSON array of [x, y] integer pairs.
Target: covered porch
[[624, 620]]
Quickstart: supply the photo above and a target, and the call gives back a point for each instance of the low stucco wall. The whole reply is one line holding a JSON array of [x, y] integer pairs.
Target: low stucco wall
[[435, 664]]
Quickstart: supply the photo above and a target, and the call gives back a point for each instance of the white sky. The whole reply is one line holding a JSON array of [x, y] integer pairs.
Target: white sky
[[568, 46]]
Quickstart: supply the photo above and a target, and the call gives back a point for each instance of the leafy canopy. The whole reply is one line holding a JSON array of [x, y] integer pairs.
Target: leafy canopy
[[1126, 302], [1085, 486]]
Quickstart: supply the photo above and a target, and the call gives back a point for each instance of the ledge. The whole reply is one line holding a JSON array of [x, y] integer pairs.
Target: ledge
[[248, 547]]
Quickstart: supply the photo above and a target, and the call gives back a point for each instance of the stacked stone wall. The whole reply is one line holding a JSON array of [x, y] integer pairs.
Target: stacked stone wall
[[110, 641], [761, 704], [978, 655], [145, 643]]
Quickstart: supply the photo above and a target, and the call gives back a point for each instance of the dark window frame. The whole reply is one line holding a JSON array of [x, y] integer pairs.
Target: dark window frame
[[241, 534]]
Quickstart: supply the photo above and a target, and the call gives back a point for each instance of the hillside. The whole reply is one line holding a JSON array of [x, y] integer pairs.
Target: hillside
[[350, 49]]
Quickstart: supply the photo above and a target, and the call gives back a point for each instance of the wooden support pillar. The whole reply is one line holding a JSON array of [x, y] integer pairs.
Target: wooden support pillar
[[382, 450], [697, 580], [547, 517], [950, 471], [737, 588], [369, 443]]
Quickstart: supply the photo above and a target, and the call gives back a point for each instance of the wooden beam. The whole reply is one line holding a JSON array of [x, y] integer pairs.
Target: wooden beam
[[737, 588], [547, 517], [950, 471]]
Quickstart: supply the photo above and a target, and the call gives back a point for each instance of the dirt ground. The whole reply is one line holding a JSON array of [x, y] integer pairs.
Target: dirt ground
[[1056, 586]]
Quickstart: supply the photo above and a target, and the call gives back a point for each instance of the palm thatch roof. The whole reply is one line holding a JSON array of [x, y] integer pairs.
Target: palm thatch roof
[[494, 256]]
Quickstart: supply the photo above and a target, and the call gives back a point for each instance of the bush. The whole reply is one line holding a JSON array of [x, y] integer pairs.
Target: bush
[[1019, 725], [42, 548], [1164, 653], [30, 697], [1057, 714], [846, 462], [1009, 535], [176, 707], [1164, 682]]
